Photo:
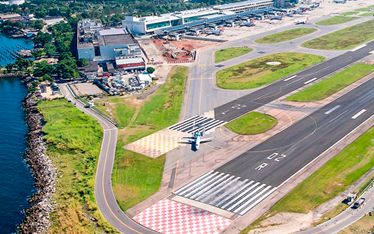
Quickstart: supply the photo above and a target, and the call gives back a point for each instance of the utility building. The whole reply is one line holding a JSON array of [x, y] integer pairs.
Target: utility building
[[250, 5]]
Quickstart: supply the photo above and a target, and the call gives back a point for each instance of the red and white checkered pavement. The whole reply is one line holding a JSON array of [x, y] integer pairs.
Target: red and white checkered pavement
[[171, 217]]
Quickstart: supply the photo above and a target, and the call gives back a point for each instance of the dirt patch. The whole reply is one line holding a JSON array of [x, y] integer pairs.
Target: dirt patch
[[285, 223], [119, 190], [181, 50]]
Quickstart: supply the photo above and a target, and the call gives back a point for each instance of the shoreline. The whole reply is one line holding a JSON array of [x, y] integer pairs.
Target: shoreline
[[37, 218]]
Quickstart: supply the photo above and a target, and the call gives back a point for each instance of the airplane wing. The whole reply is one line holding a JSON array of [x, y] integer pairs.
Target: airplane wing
[[206, 139]]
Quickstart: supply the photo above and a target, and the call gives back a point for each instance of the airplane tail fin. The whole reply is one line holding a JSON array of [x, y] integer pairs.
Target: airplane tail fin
[[222, 29]]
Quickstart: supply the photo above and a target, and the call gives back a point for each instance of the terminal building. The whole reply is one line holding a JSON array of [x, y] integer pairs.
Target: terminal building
[[115, 45], [149, 24], [239, 7]]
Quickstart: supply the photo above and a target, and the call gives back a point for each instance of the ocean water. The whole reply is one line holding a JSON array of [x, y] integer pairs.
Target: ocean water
[[15, 178], [9, 45], [16, 182]]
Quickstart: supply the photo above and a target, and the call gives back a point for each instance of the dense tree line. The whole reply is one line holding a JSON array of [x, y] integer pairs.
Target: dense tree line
[[107, 11]]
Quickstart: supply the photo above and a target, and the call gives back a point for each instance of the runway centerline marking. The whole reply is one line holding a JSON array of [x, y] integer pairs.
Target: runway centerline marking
[[332, 109], [311, 80], [358, 114], [289, 78]]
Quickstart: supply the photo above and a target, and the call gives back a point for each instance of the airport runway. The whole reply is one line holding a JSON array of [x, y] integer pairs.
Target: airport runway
[[203, 95], [261, 170]]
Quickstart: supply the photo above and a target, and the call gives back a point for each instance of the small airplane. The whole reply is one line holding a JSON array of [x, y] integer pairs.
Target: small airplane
[[216, 32], [303, 21], [248, 24], [278, 17], [196, 139]]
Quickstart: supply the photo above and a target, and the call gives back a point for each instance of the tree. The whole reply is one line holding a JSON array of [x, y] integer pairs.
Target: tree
[[67, 69], [82, 62], [43, 68], [10, 66], [42, 38], [49, 49], [150, 70], [47, 77], [65, 55], [37, 53], [37, 24], [40, 14], [23, 64]]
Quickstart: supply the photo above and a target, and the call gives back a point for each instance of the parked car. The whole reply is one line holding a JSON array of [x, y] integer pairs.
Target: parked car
[[358, 203]]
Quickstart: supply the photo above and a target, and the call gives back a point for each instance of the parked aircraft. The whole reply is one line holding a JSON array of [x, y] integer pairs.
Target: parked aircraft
[[303, 21], [248, 24], [278, 17], [299, 11], [216, 32], [196, 139]]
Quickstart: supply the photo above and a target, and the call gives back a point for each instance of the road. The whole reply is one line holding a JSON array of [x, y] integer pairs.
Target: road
[[103, 187], [346, 218], [203, 95]]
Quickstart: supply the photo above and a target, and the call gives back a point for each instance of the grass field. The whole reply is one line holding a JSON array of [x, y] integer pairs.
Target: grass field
[[135, 176], [363, 9], [333, 84], [344, 39], [229, 53], [286, 35], [252, 123], [257, 72], [336, 20], [74, 141], [332, 178], [366, 14], [349, 13]]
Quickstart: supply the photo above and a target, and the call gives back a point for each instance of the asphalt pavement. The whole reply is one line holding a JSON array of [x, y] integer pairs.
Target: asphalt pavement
[[345, 218], [103, 186]]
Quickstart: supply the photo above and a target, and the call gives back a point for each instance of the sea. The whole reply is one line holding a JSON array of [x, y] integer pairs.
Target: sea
[[16, 182]]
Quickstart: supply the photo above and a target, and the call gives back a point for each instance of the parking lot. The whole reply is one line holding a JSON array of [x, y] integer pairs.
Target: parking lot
[[85, 89]]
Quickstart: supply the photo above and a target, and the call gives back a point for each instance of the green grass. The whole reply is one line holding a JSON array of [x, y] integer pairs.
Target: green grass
[[73, 142], [363, 9], [333, 84], [350, 13], [344, 39], [252, 123], [163, 108], [256, 73], [332, 178], [229, 53], [336, 20], [135, 176], [366, 14], [122, 110], [286, 35]]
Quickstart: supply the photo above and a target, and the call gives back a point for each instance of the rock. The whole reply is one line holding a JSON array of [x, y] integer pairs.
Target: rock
[[43, 170]]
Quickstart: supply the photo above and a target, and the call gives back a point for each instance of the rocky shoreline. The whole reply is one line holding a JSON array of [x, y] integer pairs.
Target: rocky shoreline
[[44, 172]]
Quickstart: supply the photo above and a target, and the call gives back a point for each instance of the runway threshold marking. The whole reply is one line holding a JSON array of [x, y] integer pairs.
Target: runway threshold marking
[[358, 114], [311, 80], [332, 109], [290, 78]]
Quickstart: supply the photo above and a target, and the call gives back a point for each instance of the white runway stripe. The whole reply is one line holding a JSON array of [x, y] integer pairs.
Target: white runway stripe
[[221, 199], [358, 114], [199, 183], [220, 190], [194, 182], [251, 199], [290, 78], [201, 186], [332, 109], [240, 194], [245, 197], [311, 80], [258, 201]]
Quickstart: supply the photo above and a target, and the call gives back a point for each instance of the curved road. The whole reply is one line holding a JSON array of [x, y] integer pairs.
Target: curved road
[[103, 182], [346, 218]]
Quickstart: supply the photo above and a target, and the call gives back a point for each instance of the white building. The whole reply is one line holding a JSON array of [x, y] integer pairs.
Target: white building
[[144, 78], [250, 5], [151, 23]]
